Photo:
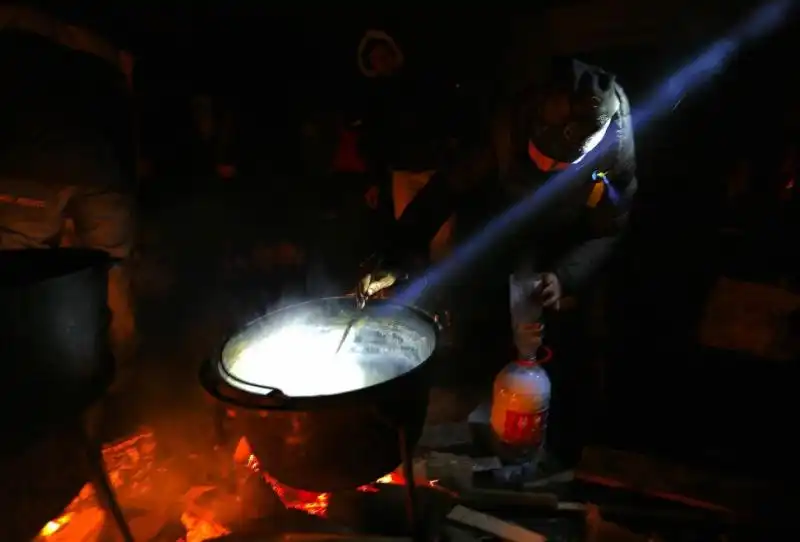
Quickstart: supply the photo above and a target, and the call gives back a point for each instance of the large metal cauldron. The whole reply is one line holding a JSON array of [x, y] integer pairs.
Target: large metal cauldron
[[323, 421], [54, 321], [56, 363]]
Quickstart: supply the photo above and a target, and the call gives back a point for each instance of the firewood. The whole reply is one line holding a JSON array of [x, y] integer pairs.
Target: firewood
[[492, 525]]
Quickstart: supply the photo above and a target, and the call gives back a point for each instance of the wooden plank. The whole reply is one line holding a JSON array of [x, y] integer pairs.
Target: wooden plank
[[492, 525], [662, 479]]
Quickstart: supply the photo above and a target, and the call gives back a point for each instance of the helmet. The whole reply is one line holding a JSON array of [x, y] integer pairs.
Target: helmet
[[572, 111], [379, 55]]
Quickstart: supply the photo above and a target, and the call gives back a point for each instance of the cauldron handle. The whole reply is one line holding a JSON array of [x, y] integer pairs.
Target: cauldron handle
[[211, 381]]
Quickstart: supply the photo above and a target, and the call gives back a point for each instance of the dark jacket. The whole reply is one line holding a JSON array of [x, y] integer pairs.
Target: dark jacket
[[566, 235]]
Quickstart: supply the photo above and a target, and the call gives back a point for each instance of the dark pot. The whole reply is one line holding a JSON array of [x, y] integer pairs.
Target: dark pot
[[54, 348], [53, 335], [312, 424]]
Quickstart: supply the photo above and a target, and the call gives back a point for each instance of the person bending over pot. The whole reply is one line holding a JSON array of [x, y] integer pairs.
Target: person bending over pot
[[572, 121], [574, 117]]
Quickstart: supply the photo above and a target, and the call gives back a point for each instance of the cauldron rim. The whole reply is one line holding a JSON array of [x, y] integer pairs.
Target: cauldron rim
[[26, 267], [213, 373]]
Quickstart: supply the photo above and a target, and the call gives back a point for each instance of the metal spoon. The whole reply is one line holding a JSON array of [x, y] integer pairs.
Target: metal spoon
[[347, 332], [364, 291]]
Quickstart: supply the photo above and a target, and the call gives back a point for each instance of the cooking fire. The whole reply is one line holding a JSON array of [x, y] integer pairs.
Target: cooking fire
[[134, 471]]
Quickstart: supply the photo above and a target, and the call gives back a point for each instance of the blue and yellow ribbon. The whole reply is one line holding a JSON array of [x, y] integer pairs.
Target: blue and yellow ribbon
[[601, 186]]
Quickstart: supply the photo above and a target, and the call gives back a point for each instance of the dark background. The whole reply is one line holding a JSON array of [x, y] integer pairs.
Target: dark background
[[270, 62]]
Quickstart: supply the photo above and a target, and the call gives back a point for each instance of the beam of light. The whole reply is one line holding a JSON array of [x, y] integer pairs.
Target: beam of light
[[692, 75]]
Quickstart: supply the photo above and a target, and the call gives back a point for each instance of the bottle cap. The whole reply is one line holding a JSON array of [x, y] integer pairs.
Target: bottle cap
[[544, 355]]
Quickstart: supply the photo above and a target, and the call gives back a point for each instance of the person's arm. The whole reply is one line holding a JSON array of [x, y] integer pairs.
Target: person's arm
[[608, 218]]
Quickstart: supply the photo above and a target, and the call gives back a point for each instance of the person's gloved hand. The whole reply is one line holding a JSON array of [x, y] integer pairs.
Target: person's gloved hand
[[375, 278], [371, 285]]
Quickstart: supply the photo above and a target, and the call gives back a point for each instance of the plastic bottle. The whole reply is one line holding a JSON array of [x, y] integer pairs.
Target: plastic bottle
[[520, 404], [521, 396]]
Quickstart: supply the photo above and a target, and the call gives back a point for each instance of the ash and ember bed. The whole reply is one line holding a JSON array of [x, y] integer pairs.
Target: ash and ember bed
[[194, 499], [227, 497]]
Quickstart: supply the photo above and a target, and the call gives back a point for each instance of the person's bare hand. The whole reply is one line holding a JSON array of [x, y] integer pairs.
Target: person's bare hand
[[551, 291]]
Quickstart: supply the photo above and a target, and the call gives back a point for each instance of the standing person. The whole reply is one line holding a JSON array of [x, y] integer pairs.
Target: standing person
[[574, 117], [384, 95], [67, 149], [348, 203], [346, 146]]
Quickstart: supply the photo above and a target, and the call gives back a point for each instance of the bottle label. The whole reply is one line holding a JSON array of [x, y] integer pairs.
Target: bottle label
[[524, 428]]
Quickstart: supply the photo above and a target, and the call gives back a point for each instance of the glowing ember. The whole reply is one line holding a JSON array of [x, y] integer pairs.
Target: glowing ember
[[77, 525], [200, 529], [55, 525]]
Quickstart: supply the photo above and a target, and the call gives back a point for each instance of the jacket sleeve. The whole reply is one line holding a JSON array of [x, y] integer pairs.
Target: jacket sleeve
[[608, 219], [437, 200]]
